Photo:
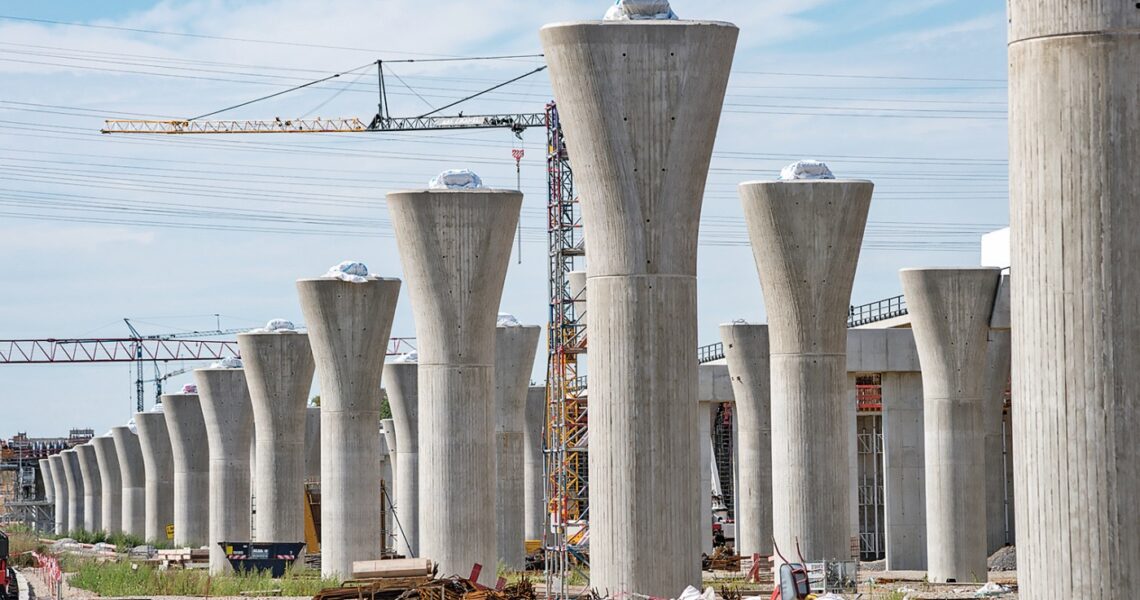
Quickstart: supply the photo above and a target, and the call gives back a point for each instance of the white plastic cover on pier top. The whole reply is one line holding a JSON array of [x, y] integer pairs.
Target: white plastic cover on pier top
[[625, 10], [456, 179], [806, 169]]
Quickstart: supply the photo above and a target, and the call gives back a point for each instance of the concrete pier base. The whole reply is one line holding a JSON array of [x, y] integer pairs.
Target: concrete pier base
[[133, 475], [515, 348], [228, 416], [191, 452], [454, 247], [313, 443], [998, 522], [950, 313], [59, 482], [746, 351], [806, 236], [403, 397], [279, 372], [75, 497], [904, 463], [349, 325], [111, 481], [158, 468], [92, 488], [639, 102], [533, 503]]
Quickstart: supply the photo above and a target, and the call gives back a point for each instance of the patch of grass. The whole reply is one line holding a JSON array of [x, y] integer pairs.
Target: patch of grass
[[21, 543], [124, 578]]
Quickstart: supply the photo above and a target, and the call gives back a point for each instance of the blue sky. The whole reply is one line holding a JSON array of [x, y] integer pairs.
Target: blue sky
[[908, 93]]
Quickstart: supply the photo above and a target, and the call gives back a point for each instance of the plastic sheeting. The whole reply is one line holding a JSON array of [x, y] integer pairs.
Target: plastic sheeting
[[276, 326], [692, 593], [456, 179], [991, 590], [131, 425], [189, 388], [806, 169], [229, 362], [507, 320], [409, 357], [351, 271], [626, 10]]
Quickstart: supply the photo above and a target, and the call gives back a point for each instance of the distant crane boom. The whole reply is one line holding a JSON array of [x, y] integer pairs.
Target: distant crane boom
[[516, 122]]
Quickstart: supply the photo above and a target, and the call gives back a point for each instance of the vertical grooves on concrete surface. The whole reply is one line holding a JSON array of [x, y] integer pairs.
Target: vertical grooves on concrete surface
[[640, 103], [349, 325], [533, 503], [403, 398], [993, 402], [158, 467], [228, 415], [746, 351], [133, 494], [75, 495], [191, 452], [59, 482], [950, 313], [111, 484], [455, 246], [313, 443], [279, 372], [1074, 147], [806, 237], [515, 348], [92, 487], [904, 466]]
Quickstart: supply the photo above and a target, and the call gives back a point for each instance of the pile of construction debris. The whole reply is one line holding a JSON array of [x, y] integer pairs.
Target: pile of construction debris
[[1005, 559], [416, 579]]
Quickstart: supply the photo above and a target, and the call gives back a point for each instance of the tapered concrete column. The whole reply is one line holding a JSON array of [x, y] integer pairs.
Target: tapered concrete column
[[454, 247], [640, 102], [92, 488], [75, 495], [746, 351], [1074, 104], [533, 503], [61, 494], [950, 314], [806, 236], [904, 466], [158, 468], [313, 443], [45, 474], [388, 431], [400, 380], [349, 325], [133, 493], [279, 371], [388, 477], [993, 403], [111, 484], [705, 412], [228, 416], [188, 441], [515, 348]]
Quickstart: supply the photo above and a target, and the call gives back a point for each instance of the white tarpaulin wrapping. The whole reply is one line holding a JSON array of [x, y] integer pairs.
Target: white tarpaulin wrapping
[[276, 326], [507, 320], [806, 169], [351, 271], [625, 10], [189, 388], [229, 362], [409, 357], [456, 179]]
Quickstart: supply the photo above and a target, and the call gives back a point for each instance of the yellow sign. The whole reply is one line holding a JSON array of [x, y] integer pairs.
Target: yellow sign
[[170, 531]]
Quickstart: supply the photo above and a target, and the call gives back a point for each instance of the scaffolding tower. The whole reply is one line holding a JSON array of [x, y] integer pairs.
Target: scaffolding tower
[[566, 479]]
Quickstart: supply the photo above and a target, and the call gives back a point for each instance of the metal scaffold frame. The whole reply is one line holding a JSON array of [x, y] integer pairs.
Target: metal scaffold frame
[[564, 439]]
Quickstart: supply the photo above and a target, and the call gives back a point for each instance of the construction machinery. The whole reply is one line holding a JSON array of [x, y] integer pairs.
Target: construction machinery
[[9, 589]]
